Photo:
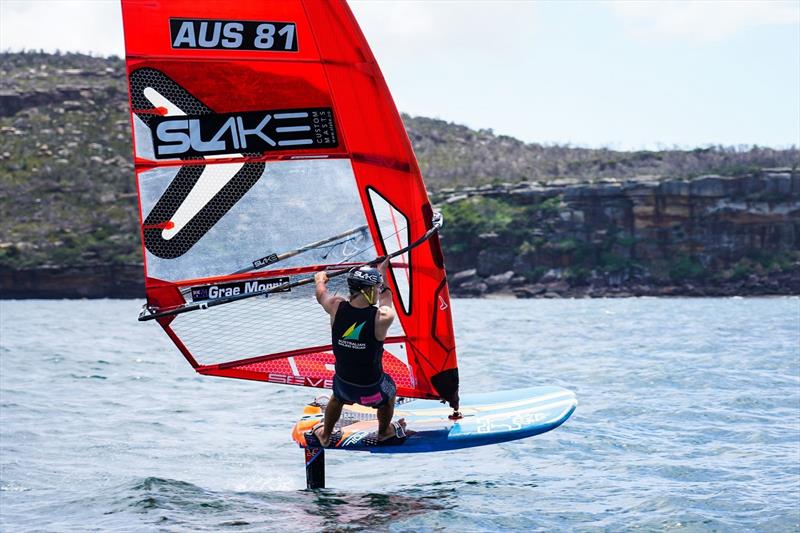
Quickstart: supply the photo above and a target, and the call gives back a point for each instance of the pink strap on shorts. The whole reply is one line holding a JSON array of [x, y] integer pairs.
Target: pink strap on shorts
[[370, 400]]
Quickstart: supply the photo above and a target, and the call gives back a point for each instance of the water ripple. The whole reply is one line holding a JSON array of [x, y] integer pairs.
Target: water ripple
[[689, 421]]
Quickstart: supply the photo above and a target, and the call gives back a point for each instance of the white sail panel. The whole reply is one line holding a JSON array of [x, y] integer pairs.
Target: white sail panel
[[291, 204]]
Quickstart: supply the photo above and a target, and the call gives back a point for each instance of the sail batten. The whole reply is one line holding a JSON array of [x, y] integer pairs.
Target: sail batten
[[267, 147]]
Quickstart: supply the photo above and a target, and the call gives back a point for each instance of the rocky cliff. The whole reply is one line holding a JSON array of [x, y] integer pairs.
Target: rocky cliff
[[713, 235]]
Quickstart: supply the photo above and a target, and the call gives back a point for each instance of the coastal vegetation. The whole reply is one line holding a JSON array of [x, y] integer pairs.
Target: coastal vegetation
[[544, 213]]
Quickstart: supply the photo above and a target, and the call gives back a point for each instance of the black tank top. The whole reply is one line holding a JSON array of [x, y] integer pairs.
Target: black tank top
[[358, 353]]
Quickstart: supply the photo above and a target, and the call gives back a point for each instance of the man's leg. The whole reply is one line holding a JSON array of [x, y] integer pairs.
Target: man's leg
[[385, 414], [332, 413]]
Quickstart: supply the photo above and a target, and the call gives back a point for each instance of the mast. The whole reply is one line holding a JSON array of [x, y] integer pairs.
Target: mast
[[315, 468]]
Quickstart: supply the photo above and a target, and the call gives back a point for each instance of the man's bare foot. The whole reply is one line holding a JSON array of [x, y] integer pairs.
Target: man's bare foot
[[390, 431], [319, 432]]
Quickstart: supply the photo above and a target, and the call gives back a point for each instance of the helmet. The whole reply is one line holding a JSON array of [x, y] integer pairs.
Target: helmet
[[363, 278]]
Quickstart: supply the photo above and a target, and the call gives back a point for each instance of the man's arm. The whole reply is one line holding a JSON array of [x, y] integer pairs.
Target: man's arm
[[328, 301], [386, 312]]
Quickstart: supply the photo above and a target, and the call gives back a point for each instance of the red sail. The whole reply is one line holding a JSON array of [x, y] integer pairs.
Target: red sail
[[267, 147]]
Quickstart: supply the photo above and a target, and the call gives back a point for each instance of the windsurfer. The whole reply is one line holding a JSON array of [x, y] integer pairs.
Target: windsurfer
[[359, 326]]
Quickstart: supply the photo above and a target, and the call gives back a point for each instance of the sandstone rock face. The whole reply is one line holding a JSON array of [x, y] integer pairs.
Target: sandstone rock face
[[70, 97], [499, 280], [462, 277], [494, 260], [530, 291], [473, 288], [640, 237], [109, 281]]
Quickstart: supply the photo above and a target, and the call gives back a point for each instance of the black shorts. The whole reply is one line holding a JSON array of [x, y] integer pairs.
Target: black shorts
[[375, 395]]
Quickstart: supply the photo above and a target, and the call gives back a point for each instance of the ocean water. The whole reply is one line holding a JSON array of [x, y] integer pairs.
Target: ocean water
[[689, 420]]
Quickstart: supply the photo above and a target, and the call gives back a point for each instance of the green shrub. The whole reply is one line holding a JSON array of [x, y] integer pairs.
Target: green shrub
[[467, 219], [612, 262], [567, 245], [534, 274], [686, 268], [742, 269], [626, 240], [577, 274], [551, 205]]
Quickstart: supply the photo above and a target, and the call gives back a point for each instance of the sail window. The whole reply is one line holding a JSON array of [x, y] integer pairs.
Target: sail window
[[394, 233]]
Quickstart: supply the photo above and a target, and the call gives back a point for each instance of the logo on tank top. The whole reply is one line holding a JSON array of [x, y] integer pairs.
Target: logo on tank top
[[351, 337]]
